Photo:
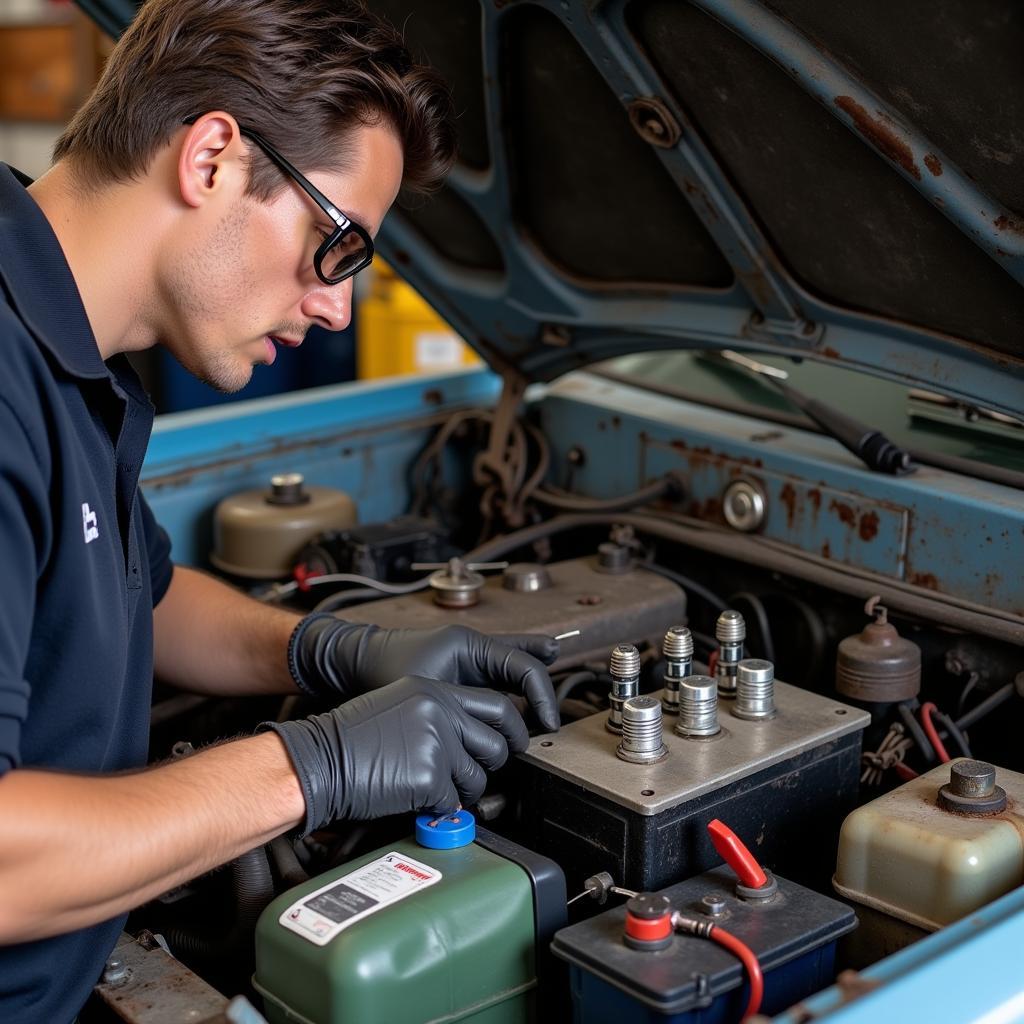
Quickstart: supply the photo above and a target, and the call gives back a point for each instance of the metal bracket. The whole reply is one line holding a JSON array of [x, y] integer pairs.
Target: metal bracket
[[806, 332]]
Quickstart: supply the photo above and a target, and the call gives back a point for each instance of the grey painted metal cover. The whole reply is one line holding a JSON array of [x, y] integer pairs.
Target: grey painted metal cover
[[839, 181]]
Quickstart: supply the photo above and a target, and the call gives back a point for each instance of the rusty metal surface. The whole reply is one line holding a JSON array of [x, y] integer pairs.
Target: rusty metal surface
[[606, 608], [155, 988], [933, 534]]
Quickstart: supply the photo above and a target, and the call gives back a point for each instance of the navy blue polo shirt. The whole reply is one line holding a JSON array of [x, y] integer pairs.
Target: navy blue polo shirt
[[83, 565]]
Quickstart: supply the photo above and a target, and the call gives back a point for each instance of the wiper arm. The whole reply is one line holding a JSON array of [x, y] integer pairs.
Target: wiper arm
[[871, 446]]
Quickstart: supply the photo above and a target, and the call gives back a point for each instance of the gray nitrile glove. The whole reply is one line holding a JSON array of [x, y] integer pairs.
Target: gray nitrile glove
[[414, 745], [329, 656]]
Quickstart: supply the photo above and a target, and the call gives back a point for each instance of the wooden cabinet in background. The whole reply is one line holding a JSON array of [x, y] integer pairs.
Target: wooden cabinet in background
[[47, 67]]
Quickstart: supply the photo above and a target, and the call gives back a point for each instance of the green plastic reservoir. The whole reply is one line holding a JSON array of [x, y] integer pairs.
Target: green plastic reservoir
[[409, 934]]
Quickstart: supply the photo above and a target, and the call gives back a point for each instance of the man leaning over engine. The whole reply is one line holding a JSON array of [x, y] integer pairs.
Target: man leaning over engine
[[215, 195]]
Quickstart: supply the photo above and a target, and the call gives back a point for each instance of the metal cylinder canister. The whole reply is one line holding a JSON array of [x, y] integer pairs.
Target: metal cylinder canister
[[698, 707], [878, 666], [677, 650], [755, 690], [624, 668], [642, 731], [257, 534], [730, 632]]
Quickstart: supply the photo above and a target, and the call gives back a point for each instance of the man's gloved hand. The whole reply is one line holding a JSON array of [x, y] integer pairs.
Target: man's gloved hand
[[329, 656], [414, 745]]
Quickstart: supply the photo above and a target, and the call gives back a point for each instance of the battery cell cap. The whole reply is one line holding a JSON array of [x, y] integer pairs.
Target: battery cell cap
[[445, 833]]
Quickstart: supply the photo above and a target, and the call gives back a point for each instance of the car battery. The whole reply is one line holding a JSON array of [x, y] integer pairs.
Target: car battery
[[591, 811], [455, 924], [693, 980]]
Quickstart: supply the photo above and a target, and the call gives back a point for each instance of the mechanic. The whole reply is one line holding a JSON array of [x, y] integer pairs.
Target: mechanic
[[174, 215]]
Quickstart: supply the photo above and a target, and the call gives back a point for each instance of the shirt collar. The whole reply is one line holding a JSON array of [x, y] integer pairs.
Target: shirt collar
[[38, 282]]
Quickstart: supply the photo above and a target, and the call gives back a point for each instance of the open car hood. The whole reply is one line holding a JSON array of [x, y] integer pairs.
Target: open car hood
[[838, 181]]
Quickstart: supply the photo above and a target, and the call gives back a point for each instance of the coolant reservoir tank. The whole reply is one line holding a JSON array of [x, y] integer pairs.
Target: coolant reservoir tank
[[937, 848], [446, 926], [258, 533]]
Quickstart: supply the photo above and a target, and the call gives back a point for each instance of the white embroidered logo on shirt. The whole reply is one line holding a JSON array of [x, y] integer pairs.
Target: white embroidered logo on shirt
[[89, 526]]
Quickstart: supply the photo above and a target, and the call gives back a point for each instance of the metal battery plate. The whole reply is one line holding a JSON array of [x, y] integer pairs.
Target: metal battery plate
[[584, 752]]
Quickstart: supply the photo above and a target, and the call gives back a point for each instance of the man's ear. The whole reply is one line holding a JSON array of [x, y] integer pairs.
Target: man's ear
[[210, 158]]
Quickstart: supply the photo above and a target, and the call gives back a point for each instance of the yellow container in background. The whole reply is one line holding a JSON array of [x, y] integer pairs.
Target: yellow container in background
[[398, 333]]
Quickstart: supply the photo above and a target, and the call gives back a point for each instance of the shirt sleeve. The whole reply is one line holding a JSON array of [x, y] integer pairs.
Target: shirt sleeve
[[26, 530], [158, 548]]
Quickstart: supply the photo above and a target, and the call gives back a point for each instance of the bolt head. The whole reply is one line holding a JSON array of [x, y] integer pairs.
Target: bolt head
[[972, 778], [713, 903]]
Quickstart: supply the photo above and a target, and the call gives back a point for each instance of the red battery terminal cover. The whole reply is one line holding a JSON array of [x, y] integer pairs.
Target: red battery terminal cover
[[732, 850], [648, 922]]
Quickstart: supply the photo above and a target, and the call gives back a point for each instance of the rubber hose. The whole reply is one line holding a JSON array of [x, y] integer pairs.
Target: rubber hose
[[581, 503], [254, 889], [286, 861], [911, 724]]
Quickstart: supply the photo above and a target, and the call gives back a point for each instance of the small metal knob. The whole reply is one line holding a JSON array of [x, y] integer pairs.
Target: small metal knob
[[624, 668], [713, 904], [286, 489], [641, 731], [624, 662], [730, 628], [526, 577], [755, 689], [743, 506], [698, 707], [730, 631], [972, 789], [677, 649]]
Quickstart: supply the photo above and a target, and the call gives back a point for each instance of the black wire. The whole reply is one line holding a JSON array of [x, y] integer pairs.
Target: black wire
[[687, 584], [763, 625], [958, 738], [917, 734], [570, 682], [988, 705]]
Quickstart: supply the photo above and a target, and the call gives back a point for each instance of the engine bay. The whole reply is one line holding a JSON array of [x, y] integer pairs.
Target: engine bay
[[707, 673]]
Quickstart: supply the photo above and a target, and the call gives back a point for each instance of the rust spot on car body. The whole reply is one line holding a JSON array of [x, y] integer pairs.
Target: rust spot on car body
[[826, 550], [788, 498], [869, 526], [814, 497], [1004, 223], [934, 164], [924, 579], [880, 134], [846, 514]]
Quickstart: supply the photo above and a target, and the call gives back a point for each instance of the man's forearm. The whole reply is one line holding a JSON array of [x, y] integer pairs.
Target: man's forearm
[[125, 839], [209, 638]]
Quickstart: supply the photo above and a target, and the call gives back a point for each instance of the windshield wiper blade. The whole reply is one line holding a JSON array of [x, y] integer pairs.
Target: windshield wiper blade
[[871, 446]]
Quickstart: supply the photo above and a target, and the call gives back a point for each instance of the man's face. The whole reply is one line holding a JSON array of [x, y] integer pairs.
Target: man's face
[[241, 280]]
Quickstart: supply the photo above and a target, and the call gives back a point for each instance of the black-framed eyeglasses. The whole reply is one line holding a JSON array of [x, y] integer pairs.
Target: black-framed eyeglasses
[[348, 248]]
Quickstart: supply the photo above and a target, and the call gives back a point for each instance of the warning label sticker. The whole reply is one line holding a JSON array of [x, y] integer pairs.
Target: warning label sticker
[[324, 913]]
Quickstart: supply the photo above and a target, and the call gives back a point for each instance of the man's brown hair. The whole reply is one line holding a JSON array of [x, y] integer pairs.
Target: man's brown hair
[[302, 73]]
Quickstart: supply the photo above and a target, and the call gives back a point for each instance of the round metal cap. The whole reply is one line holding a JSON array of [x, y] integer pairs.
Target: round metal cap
[[972, 789], [449, 833], [730, 628], [677, 643], [743, 506], [624, 662], [526, 577], [755, 670], [286, 489]]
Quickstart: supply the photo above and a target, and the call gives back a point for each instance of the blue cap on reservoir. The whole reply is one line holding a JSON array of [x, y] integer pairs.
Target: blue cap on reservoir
[[447, 833]]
